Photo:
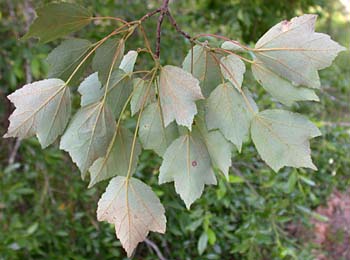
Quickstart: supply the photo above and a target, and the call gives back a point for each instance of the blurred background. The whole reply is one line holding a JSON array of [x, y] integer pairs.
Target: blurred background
[[47, 212]]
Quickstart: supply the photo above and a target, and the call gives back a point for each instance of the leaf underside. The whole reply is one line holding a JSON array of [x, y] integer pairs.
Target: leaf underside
[[133, 208]]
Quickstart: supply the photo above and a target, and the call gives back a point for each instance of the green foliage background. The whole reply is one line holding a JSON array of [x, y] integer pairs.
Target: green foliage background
[[47, 212]]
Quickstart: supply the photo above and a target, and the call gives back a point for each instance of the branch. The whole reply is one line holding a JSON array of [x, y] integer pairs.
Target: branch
[[148, 15], [176, 26], [164, 10]]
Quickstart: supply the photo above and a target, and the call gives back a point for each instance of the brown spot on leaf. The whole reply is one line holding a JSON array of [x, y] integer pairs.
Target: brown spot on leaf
[[194, 163]]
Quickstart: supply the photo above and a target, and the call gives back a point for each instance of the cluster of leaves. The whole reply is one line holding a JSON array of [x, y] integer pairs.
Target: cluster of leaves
[[213, 113]]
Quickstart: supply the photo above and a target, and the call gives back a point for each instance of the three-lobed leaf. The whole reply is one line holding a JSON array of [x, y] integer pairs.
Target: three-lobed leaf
[[88, 135], [230, 112], [42, 108], [187, 162], [178, 91], [282, 138], [294, 51], [133, 208]]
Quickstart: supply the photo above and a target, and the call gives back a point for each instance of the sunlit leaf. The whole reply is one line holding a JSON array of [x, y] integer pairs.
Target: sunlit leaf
[[58, 19], [116, 161], [282, 138], [293, 50], [178, 91], [88, 135], [42, 108], [204, 65], [153, 134], [64, 59], [228, 111], [133, 208]]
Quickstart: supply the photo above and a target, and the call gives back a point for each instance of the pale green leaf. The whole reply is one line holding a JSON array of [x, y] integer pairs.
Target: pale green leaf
[[143, 94], [116, 161], [110, 51], [187, 162], [178, 91], [58, 19], [294, 51], [218, 147], [153, 134], [281, 89], [128, 62], [64, 59], [90, 90], [133, 208], [88, 135], [227, 110], [233, 69], [42, 108], [282, 138], [118, 92], [204, 65]]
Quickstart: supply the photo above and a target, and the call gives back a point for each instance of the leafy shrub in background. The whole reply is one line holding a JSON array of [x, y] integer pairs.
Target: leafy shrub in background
[[221, 67]]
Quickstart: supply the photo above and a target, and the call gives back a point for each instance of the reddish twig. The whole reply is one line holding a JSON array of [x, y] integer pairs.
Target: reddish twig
[[148, 15], [176, 26], [164, 10]]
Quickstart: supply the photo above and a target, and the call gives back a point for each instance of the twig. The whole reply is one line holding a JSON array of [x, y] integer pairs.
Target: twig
[[155, 248], [164, 10], [148, 15], [177, 27]]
